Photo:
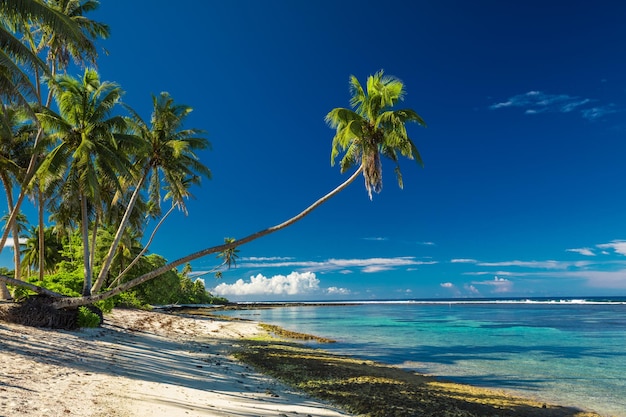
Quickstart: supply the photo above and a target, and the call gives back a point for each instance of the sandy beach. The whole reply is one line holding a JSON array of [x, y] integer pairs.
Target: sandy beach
[[149, 364], [140, 364]]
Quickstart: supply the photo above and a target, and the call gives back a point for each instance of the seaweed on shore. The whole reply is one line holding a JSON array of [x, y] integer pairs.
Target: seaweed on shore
[[371, 389], [280, 332]]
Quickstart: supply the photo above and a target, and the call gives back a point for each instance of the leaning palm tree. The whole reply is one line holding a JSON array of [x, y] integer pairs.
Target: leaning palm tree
[[89, 141], [373, 128], [383, 92], [169, 155]]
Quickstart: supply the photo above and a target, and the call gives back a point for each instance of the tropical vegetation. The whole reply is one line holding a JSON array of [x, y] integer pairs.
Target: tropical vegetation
[[103, 172]]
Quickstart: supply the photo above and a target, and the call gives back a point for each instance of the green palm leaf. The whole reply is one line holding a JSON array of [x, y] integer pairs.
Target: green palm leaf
[[373, 129]]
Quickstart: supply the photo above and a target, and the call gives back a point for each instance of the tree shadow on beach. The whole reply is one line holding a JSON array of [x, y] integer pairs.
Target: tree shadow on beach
[[182, 364]]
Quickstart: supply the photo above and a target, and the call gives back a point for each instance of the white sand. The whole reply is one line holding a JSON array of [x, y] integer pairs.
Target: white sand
[[140, 364]]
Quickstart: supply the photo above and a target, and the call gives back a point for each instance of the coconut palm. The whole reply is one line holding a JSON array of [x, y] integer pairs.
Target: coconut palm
[[52, 255], [16, 141], [373, 128], [169, 157], [61, 47], [14, 18], [89, 142], [18, 60]]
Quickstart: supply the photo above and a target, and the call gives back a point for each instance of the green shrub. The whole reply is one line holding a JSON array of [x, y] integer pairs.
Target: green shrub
[[87, 318], [106, 305], [129, 299]]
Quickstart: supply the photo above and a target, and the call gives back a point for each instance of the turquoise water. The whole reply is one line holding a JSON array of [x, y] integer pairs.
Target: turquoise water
[[565, 352]]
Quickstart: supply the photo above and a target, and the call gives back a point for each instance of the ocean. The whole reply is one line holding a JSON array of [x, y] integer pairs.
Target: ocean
[[564, 351]]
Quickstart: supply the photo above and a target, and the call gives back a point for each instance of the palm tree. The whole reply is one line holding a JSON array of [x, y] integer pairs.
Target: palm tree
[[19, 225], [16, 141], [89, 143], [52, 255], [61, 47], [168, 155], [14, 18], [17, 60], [373, 128]]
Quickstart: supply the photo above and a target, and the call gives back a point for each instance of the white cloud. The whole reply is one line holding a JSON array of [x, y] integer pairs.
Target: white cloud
[[618, 246], [505, 273], [376, 239], [582, 251], [463, 261], [471, 289], [337, 291], [9, 242], [365, 265], [535, 102], [295, 283], [597, 112], [265, 259], [451, 288], [500, 285], [600, 279], [537, 264]]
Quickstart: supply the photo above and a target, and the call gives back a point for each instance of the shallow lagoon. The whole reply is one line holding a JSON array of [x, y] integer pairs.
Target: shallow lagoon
[[570, 353]]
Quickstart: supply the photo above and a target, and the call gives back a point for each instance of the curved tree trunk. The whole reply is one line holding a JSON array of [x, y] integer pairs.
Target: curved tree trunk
[[85, 300], [106, 265], [30, 172], [144, 249]]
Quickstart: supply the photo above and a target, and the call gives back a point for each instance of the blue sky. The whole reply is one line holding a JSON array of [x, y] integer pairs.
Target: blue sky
[[523, 191]]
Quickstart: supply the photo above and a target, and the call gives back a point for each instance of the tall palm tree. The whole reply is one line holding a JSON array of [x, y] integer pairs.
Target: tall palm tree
[[373, 128], [89, 142], [17, 61], [169, 156], [59, 49], [16, 141]]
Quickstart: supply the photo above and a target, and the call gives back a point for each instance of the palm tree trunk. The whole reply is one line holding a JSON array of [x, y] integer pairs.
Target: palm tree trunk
[[94, 240], [15, 230], [84, 225], [85, 300], [30, 171], [4, 291], [17, 257], [145, 248], [106, 265], [41, 233]]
